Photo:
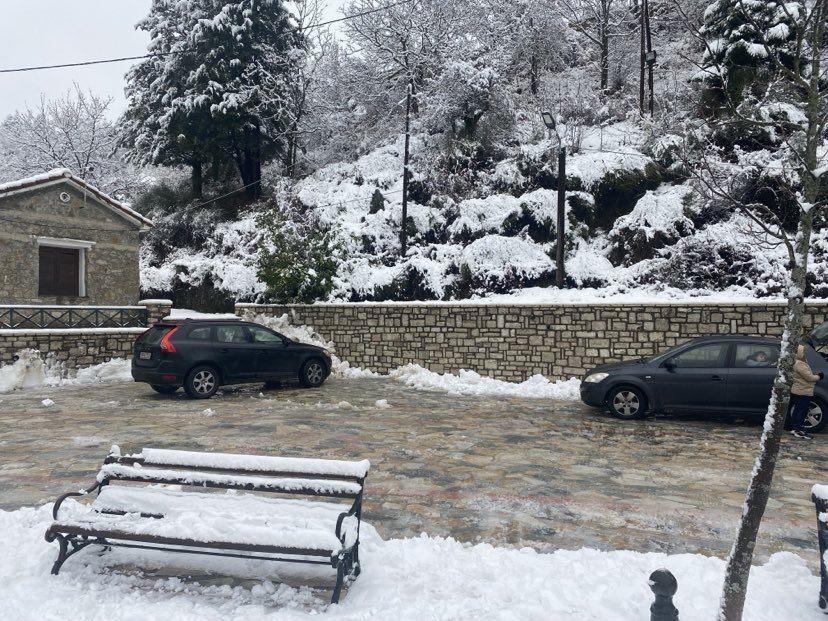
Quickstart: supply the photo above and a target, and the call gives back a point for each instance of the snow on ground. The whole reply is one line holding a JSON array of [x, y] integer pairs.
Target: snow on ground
[[472, 383], [417, 579], [31, 370]]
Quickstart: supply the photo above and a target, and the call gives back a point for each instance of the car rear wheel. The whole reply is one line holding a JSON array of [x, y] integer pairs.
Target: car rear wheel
[[312, 373], [202, 382], [815, 420], [626, 402], [164, 390]]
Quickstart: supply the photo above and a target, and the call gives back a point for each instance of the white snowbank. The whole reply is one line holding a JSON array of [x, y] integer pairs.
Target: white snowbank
[[31, 370], [424, 578], [472, 383]]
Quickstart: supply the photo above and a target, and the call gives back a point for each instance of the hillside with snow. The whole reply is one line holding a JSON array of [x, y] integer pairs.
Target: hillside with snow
[[633, 228]]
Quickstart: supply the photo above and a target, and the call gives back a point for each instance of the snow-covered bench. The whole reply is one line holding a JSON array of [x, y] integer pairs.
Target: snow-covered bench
[[819, 494], [220, 504]]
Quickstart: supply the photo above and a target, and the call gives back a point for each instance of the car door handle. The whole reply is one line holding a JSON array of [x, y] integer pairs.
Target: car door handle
[[717, 378], [224, 350]]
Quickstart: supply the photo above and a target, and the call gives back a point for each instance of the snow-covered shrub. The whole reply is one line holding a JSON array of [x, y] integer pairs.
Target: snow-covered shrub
[[580, 212], [656, 221], [377, 202], [710, 264], [536, 217], [618, 192], [817, 278], [500, 264]]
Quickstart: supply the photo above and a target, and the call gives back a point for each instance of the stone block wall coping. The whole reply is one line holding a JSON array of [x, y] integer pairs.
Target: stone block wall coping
[[69, 331], [477, 304], [155, 302], [78, 306]]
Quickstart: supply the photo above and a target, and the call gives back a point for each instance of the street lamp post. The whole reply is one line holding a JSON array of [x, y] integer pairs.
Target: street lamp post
[[549, 121]]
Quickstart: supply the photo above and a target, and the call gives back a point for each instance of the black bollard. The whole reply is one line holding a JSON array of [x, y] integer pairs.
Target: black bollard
[[664, 585]]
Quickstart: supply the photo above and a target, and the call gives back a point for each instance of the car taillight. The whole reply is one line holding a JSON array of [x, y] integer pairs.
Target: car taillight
[[166, 345]]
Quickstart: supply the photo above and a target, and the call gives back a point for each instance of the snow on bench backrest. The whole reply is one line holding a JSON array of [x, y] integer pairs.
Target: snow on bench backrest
[[255, 463], [820, 492], [320, 487]]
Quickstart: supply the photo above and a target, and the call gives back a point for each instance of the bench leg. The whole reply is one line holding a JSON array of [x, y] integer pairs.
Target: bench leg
[[340, 578], [62, 555], [64, 542], [355, 563]]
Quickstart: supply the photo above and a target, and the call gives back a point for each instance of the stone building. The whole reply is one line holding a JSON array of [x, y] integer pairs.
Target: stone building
[[63, 241]]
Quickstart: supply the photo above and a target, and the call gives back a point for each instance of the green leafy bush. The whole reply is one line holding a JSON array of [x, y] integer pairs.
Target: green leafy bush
[[297, 262]]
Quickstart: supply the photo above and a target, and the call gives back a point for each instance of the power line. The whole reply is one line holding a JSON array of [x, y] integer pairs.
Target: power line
[[187, 51]]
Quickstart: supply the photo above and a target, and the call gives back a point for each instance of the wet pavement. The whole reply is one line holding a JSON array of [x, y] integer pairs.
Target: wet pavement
[[503, 470]]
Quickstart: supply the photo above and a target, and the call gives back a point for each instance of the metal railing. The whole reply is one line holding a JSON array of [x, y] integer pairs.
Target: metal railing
[[29, 317]]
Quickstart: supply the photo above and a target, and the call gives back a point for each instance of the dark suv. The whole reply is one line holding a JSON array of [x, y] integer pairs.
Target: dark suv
[[202, 355]]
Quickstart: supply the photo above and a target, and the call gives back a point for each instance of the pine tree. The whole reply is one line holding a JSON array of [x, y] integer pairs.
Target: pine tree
[[740, 35], [201, 99]]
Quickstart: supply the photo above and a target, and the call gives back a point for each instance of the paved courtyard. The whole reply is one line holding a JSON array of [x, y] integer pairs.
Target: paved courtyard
[[503, 470]]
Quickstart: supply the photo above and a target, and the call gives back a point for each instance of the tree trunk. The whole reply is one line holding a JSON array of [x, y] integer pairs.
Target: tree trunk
[[533, 74], [739, 560], [604, 61], [196, 179], [248, 160]]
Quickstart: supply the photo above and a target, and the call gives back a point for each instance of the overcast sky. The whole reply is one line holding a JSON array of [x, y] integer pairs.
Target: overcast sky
[[48, 32]]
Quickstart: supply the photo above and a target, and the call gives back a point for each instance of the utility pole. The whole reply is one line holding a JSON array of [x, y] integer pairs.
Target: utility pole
[[403, 232], [559, 250], [640, 7], [650, 56], [551, 125]]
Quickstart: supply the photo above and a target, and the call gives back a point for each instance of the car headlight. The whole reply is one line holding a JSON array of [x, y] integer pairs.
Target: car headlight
[[594, 378]]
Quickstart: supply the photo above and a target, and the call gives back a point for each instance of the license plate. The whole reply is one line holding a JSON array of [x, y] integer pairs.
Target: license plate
[[145, 355]]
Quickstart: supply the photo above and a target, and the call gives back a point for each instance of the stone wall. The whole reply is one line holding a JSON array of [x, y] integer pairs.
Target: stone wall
[[515, 342], [80, 347], [111, 263]]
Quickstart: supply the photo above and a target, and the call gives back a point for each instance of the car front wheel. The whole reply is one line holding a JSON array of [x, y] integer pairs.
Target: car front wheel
[[312, 373], [815, 420], [202, 382], [626, 402]]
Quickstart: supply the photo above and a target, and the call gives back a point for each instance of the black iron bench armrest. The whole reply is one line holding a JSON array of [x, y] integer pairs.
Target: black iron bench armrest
[[60, 500], [356, 509]]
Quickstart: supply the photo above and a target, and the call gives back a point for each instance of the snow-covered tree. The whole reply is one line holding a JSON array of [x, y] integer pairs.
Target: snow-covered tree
[[71, 132], [201, 98], [600, 21], [739, 37], [523, 38], [792, 106], [403, 46]]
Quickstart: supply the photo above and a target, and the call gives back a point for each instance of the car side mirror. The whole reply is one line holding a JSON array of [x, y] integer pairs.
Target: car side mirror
[[670, 364]]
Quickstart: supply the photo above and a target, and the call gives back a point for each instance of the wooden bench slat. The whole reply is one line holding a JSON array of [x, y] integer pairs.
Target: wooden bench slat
[[204, 527], [321, 487], [237, 509], [255, 463], [124, 535]]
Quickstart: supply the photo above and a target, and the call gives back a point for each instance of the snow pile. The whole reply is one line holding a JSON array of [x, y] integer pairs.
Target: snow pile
[[30, 370], [452, 581], [658, 212], [472, 383]]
